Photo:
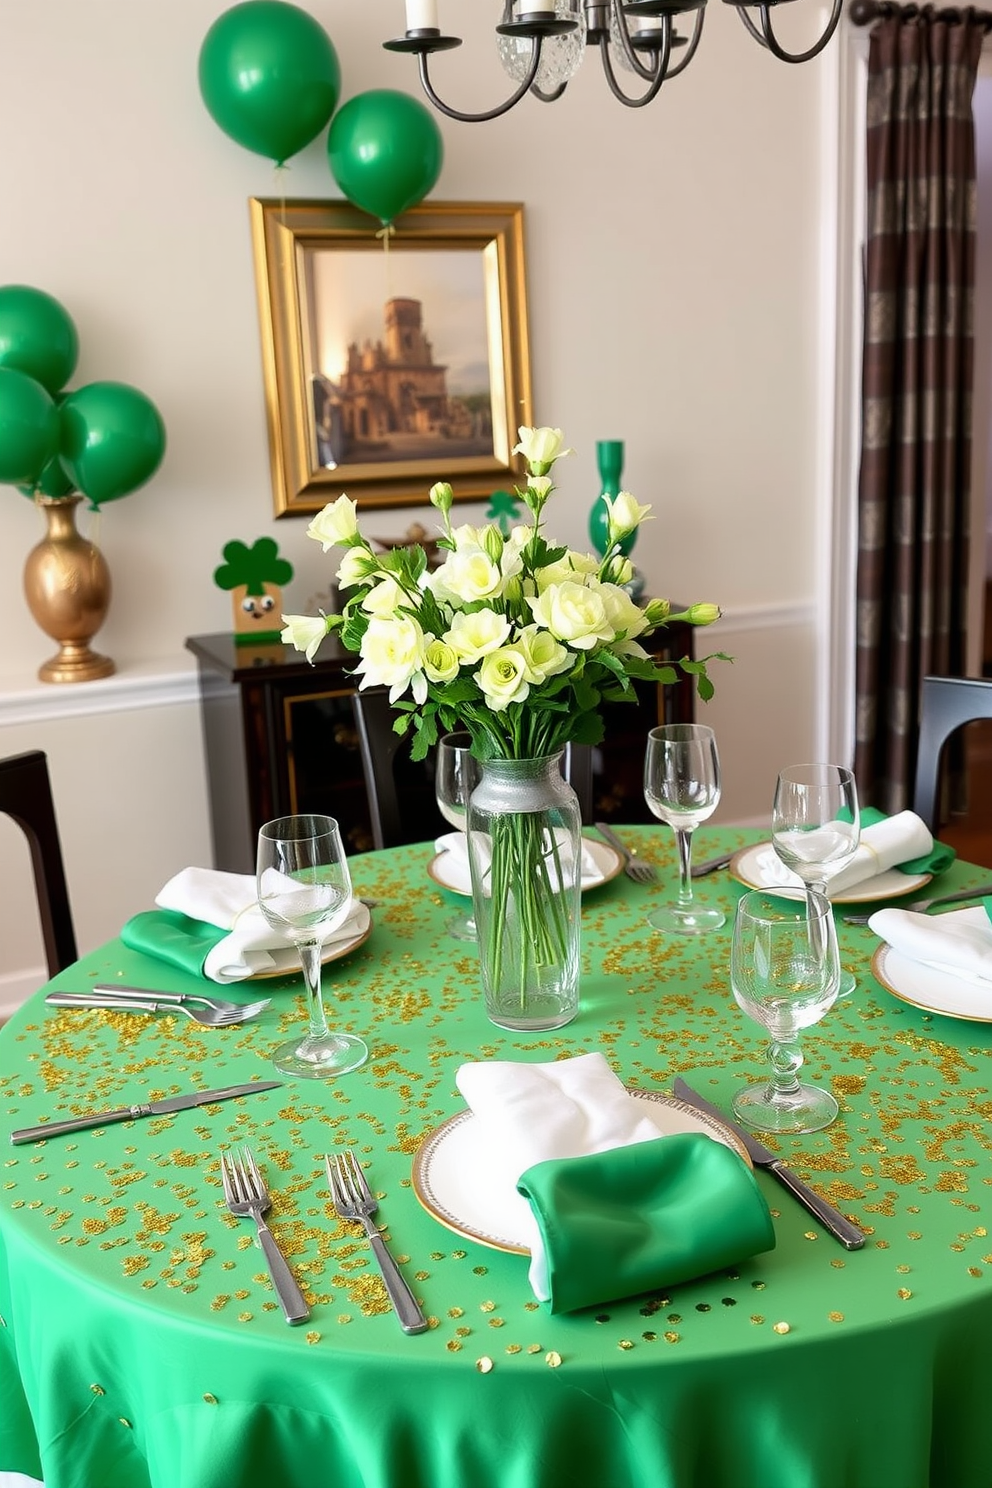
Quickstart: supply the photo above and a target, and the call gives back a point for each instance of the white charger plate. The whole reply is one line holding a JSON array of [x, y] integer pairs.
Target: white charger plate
[[451, 1174], [928, 988], [453, 876], [760, 867]]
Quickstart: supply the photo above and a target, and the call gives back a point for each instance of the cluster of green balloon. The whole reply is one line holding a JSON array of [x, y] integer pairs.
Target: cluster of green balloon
[[104, 439], [385, 152], [269, 77]]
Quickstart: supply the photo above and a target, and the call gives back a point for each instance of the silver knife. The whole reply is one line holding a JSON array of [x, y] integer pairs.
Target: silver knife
[[842, 1229], [149, 1108], [700, 870]]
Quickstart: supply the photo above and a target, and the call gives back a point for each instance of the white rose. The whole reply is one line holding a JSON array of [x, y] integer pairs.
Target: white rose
[[468, 576], [626, 514], [476, 634], [502, 678], [356, 567], [305, 632], [392, 653], [574, 567], [336, 525], [467, 536], [387, 597], [544, 656], [440, 661], [540, 448], [574, 613], [623, 614]]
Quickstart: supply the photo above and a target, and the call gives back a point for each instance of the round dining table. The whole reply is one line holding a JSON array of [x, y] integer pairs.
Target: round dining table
[[142, 1344]]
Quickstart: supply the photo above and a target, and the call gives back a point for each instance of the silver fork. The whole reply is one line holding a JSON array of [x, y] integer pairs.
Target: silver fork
[[218, 1014], [922, 905], [353, 1199], [634, 867], [245, 1193]]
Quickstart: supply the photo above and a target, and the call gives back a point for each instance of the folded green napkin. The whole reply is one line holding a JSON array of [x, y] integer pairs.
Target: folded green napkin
[[172, 937], [939, 857], [643, 1216]]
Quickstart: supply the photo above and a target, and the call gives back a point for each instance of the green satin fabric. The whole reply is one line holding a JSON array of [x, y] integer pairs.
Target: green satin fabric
[[142, 1346], [619, 1223], [174, 938]]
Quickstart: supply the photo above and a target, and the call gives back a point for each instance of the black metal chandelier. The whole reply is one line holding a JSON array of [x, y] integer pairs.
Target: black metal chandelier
[[541, 43]]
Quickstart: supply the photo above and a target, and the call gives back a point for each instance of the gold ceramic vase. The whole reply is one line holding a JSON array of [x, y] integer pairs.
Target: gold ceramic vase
[[67, 586]]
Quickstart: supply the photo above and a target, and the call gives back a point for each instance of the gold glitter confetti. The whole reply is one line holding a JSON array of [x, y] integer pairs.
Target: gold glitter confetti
[[463, 1332], [781, 1327], [649, 1337], [484, 1365], [673, 1338], [974, 1271], [210, 1399], [553, 1359], [625, 1343], [810, 1235], [487, 1306], [904, 1294], [513, 1348], [534, 1348], [835, 1317], [456, 1312], [124, 1422], [453, 1346], [757, 1318], [98, 1390], [312, 1336]]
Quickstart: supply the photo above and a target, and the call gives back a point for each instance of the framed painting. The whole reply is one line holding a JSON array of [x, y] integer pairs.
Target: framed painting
[[391, 362]]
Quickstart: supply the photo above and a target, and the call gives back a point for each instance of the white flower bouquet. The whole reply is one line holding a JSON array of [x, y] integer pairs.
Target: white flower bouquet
[[514, 639], [520, 642]]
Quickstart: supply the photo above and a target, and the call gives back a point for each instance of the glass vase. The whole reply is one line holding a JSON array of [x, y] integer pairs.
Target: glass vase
[[524, 839]]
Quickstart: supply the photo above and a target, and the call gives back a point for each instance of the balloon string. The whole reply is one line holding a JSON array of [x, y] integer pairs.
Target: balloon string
[[385, 233]]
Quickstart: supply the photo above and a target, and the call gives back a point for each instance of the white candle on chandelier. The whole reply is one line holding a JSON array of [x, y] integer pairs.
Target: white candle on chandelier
[[421, 15], [535, 7]]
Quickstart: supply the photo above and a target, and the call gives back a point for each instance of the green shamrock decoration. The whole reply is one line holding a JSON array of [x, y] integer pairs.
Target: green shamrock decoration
[[254, 576]]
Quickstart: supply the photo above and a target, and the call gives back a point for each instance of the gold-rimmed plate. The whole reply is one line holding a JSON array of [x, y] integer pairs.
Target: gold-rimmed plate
[[450, 871], [931, 989], [760, 867], [451, 1175], [332, 952]]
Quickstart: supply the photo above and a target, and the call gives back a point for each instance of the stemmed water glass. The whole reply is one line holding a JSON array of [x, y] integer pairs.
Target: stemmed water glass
[[304, 891], [785, 974], [816, 827], [458, 773], [682, 789]]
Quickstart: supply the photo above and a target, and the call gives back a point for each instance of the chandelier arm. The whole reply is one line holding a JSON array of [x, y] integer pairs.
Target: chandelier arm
[[615, 88], [690, 51], [749, 26], [647, 73], [548, 97], [493, 113], [814, 51]]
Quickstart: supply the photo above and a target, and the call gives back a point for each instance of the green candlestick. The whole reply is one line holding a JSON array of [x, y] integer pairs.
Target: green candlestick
[[609, 459]]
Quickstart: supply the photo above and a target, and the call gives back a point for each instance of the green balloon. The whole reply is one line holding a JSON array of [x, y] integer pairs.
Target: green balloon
[[269, 76], [53, 481], [112, 441], [385, 151], [29, 427], [37, 336]]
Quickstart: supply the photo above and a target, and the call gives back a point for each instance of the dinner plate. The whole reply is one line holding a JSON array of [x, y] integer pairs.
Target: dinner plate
[[451, 1175], [928, 988], [760, 867], [333, 952], [454, 877]]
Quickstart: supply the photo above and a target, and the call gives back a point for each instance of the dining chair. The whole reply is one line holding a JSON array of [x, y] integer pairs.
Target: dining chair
[[26, 796], [946, 704], [383, 750]]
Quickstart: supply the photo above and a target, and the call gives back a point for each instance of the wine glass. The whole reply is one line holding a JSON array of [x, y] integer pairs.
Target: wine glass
[[458, 773], [785, 974], [682, 789], [816, 827], [304, 891]]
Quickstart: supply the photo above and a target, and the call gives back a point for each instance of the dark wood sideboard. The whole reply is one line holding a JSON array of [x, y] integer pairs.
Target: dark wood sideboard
[[279, 737]]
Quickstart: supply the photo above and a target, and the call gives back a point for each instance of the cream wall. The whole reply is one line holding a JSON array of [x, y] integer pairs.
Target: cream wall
[[679, 273]]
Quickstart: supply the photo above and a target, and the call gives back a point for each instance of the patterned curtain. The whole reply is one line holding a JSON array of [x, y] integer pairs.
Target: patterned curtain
[[913, 494]]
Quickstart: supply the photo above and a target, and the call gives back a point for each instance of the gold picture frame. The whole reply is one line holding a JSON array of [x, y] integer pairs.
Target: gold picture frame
[[391, 362]]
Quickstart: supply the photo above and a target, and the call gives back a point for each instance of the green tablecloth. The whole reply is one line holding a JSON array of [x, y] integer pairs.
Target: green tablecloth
[[142, 1345]]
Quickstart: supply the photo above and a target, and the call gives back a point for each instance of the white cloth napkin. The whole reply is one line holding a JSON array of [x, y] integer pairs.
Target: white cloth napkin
[[882, 847], [458, 873], [528, 1113], [230, 901], [959, 942]]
